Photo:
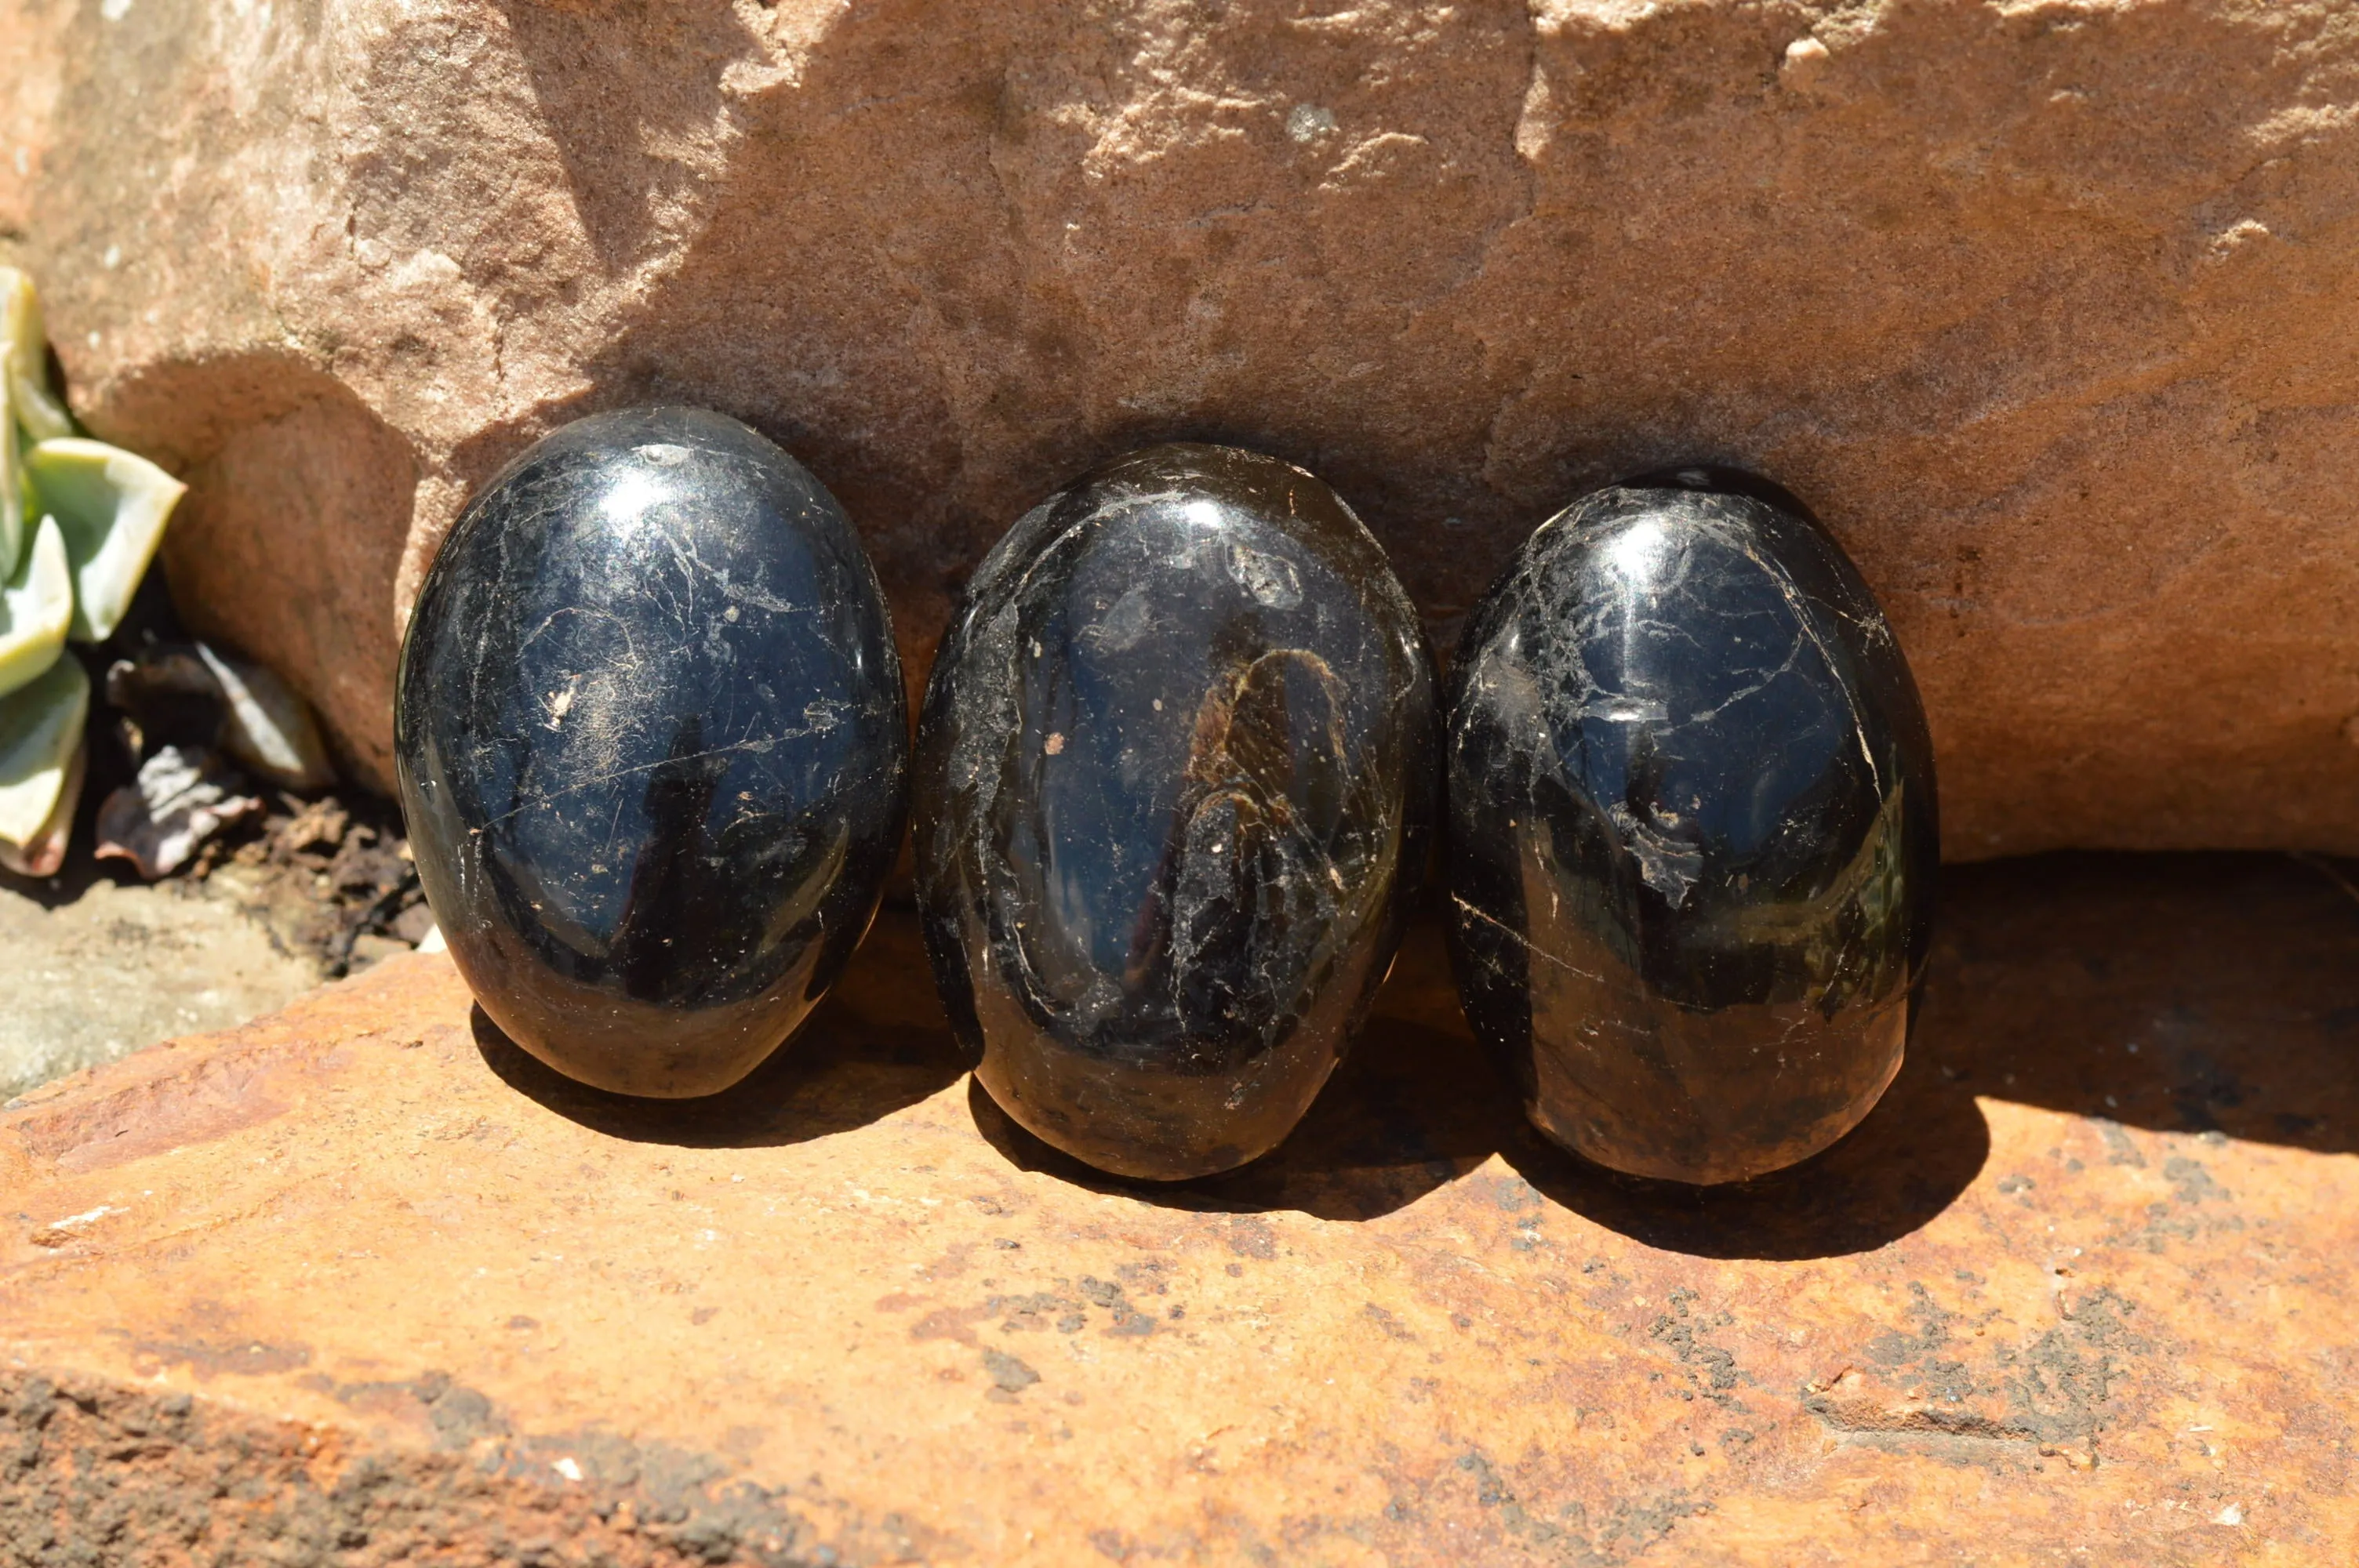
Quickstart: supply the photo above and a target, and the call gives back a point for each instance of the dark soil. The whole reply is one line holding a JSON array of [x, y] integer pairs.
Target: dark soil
[[329, 876]]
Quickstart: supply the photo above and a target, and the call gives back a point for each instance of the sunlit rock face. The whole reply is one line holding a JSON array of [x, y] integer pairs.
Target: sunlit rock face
[[1175, 785], [653, 748], [2052, 310], [1692, 830]]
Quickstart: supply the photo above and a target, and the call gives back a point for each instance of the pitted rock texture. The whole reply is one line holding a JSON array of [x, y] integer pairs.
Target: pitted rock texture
[[2049, 308], [361, 1283]]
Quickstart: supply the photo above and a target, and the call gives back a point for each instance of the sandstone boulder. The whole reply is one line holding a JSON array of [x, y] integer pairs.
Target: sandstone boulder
[[361, 1284], [2051, 308]]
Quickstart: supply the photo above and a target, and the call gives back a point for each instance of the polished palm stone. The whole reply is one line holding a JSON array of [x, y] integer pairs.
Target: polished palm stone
[[1175, 782], [651, 741], [1691, 830]]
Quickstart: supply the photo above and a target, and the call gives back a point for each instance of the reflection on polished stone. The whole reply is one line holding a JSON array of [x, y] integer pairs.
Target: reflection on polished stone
[[1692, 830], [651, 743], [1175, 782]]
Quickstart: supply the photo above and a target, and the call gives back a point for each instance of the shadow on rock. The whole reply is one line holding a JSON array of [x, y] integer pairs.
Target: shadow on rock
[[1419, 1103], [2184, 993], [836, 1074], [1920, 1147], [2180, 994], [877, 1045], [1410, 1110]]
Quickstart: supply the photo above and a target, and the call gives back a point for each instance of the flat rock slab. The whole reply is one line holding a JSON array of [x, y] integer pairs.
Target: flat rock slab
[[359, 1283], [101, 969]]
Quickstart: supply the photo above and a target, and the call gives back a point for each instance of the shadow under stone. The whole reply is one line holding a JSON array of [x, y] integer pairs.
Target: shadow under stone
[[1419, 1103], [2190, 993], [1410, 1110], [834, 1075], [876, 1045], [1922, 1145], [2193, 993]]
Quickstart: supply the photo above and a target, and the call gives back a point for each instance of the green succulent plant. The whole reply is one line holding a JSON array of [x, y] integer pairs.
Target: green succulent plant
[[111, 506], [37, 609], [80, 523], [40, 747]]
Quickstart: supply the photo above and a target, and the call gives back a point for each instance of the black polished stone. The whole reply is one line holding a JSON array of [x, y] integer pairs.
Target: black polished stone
[[1693, 831], [651, 740], [1175, 785]]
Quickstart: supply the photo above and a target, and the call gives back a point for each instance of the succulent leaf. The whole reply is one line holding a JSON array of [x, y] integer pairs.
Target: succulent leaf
[[40, 732], [25, 360], [13, 505], [36, 609], [111, 506], [45, 851]]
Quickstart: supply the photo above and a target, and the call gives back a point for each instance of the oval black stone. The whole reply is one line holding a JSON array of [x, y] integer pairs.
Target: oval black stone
[[1693, 831], [1175, 785], [652, 744]]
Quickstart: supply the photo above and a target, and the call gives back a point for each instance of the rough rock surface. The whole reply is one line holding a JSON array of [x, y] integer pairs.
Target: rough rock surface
[[97, 969], [361, 1283], [2051, 306]]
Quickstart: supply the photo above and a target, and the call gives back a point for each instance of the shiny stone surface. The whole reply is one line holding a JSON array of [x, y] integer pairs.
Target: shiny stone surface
[[1175, 782], [652, 745], [1693, 831]]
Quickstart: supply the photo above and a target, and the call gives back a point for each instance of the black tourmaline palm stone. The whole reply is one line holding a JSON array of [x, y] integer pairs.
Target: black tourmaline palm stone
[[651, 743], [1176, 780], [1692, 832]]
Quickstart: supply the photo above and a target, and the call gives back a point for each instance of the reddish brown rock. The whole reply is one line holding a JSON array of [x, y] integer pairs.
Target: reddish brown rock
[[360, 1283], [2051, 310]]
